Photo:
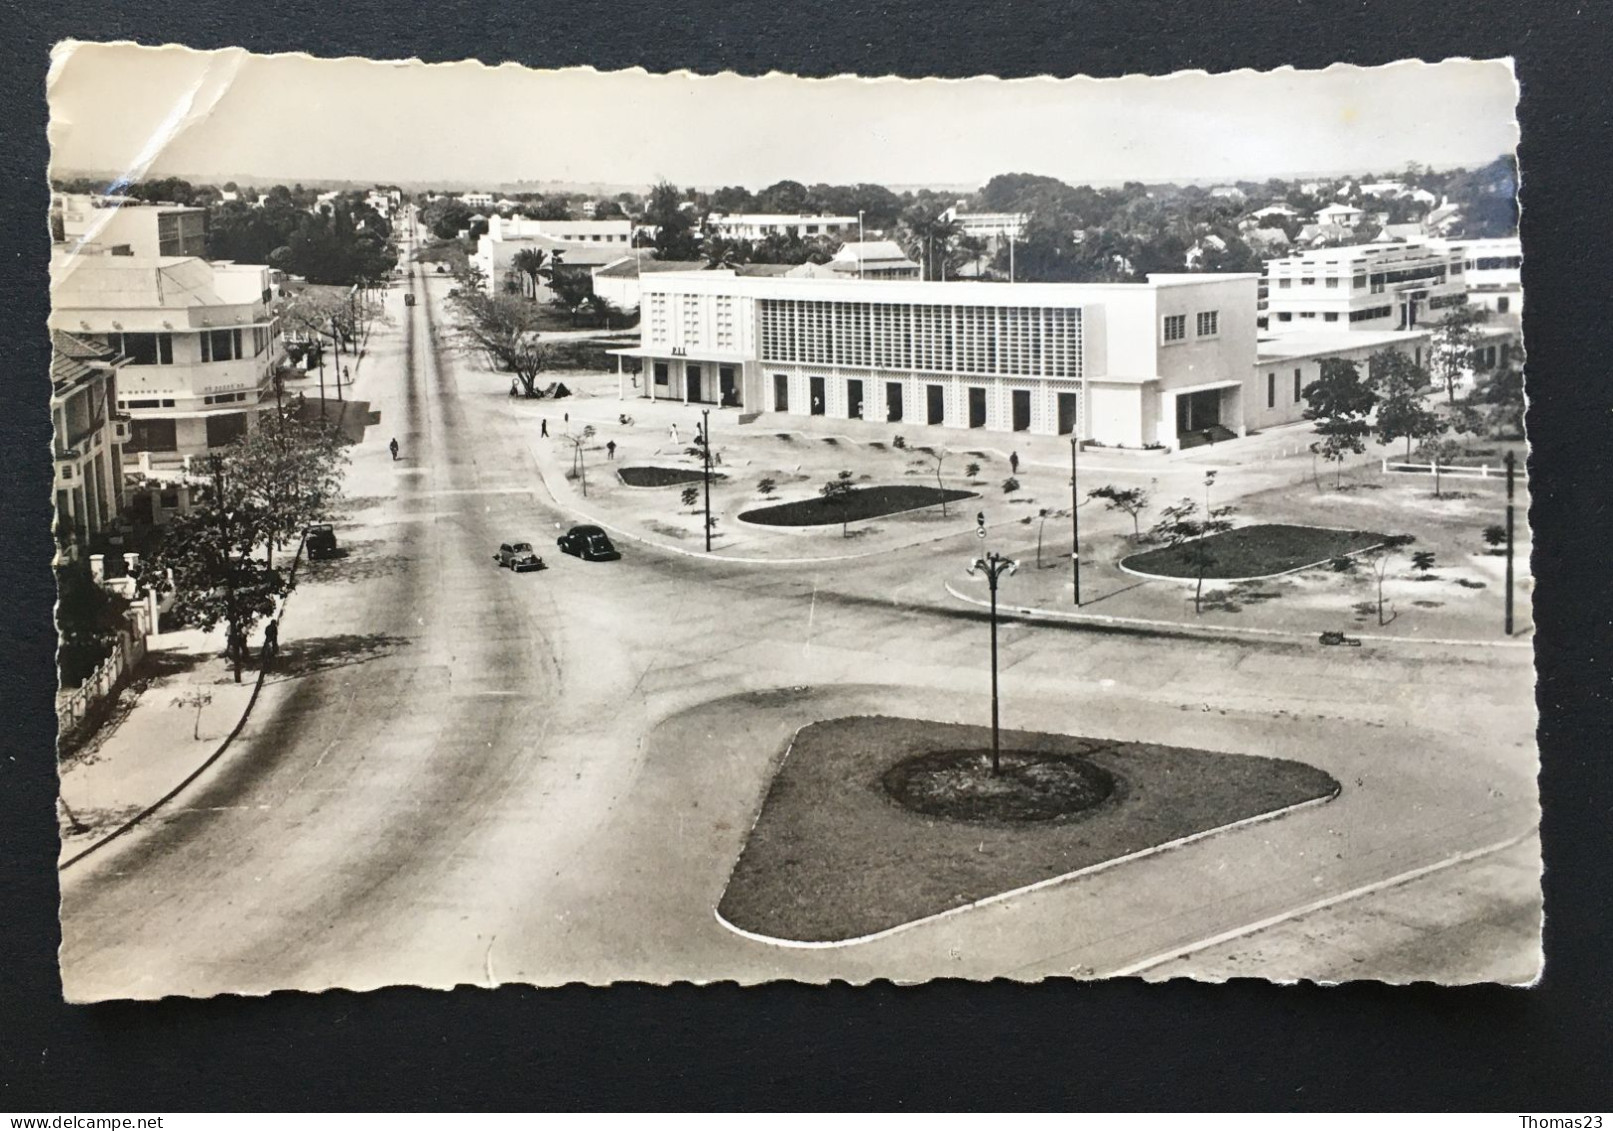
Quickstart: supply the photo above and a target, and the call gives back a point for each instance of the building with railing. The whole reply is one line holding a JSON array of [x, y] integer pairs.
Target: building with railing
[[200, 341], [88, 437], [755, 226], [1362, 287], [1152, 363], [1494, 271]]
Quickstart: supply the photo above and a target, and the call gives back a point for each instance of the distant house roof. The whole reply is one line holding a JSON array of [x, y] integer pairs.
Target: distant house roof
[[631, 266], [74, 358], [764, 269], [814, 271], [1290, 347]]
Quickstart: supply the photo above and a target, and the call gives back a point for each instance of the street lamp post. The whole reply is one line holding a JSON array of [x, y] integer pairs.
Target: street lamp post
[[1075, 523], [994, 565], [705, 449]]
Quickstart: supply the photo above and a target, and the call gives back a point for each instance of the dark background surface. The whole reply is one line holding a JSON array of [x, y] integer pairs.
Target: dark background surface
[[1118, 1045]]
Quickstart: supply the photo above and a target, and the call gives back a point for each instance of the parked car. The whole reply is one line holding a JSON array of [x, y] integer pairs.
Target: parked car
[[320, 541], [519, 556], [589, 543]]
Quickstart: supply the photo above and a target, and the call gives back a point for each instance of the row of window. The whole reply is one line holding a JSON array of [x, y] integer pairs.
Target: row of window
[[216, 345], [1008, 341], [1377, 280], [1496, 263], [1207, 323]]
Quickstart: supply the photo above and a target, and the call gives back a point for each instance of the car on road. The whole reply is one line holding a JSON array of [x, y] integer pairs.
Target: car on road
[[320, 541], [518, 556], [589, 543]]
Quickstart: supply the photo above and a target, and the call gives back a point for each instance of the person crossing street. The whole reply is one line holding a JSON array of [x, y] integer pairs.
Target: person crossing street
[[394, 447]]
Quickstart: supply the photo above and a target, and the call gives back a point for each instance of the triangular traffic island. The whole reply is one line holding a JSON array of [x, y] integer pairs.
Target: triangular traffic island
[[873, 824]]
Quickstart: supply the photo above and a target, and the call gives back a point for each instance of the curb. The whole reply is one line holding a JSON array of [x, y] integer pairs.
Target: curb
[[218, 753], [1229, 631], [998, 897], [1137, 968]]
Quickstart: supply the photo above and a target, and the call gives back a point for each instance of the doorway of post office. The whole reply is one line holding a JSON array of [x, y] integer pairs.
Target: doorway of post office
[[854, 399], [781, 393], [1022, 410], [727, 394], [977, 407], [1068, 403], [815, 389], [893, 400], [935, 403], [691, 382]]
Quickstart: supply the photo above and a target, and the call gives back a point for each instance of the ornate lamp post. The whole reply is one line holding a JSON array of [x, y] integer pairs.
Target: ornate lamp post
[[994, 565]]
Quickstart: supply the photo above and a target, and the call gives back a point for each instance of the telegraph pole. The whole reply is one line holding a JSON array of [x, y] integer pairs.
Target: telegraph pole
[[1512, 461], [1075, 521]]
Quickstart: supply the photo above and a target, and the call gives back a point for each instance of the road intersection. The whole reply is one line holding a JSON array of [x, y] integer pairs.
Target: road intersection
[[463, 775]]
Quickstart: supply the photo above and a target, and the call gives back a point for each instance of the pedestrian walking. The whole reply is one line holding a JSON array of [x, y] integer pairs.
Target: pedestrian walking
[[1013, 463], [568, 419], [394, 446], [543, 429], [610, 449], [271, 642], [674, 431], [347, 375]]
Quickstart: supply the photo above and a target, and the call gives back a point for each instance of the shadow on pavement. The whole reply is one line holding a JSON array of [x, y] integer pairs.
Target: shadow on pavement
[[306, 657]]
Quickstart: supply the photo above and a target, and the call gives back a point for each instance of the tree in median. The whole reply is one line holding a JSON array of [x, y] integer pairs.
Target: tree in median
[[504, 329], [765, 486], [1127, 500], [1439, 454], [837, 494], [1401, 387], [1339, 402], [1380, 568], [1182, 524]]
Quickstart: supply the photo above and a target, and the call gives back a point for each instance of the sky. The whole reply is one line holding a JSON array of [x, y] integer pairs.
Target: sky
[[154, 112]]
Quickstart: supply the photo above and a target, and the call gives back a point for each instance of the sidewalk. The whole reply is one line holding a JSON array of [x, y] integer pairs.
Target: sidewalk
[[150, 743]]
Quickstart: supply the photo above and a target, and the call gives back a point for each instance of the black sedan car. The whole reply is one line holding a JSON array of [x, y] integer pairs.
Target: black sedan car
[[518, 556], [589, 543]]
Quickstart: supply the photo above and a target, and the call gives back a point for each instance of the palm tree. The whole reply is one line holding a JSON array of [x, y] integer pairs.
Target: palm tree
[[724, 254], [534, 263], [927, 237]]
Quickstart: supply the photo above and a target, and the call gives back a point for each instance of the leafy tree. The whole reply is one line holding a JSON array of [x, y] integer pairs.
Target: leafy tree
[[837, 494], [1182, 524], [603, 309], [928, 237], [1496, 404], [572, 288], [209, 560], [1454, 340], [970, 470], [674, 226], [1401, 387], [784, 196], [290, 472], [579, 465], [446, 217], [88, 618], [505, 330], [1439, 453], [1339, 402], [722, 253], [1132, 501], [939, 455]]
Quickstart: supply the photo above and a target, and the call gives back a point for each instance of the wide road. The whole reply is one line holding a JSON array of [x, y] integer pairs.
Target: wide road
[[467, 776]]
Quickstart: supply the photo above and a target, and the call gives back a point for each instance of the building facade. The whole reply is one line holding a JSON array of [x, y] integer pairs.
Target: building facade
[[89, 433], [1494, 273], [760, 225], [124, 226], [1287, 363], [1123, 364], [200, 341], [994, 227], [1371, 287]]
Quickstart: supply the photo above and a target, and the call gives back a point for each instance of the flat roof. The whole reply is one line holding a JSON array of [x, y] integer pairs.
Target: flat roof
[[1313, 344], [915, 290]]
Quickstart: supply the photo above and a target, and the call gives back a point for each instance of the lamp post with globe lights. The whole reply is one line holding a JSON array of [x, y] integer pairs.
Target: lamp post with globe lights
[[994, 565]]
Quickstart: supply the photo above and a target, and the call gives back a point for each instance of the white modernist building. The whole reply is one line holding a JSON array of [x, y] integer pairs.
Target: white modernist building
[[759, 225], [89, 433], [200, 339], [1126, 363], [125, 226], [991, 226], [1494, 271], [1362, 287]]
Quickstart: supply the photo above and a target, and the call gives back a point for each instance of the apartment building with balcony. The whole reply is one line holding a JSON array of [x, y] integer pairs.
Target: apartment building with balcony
[[88, 436], [1372, 287], [755, 226], [1494, 272], [200, 341]]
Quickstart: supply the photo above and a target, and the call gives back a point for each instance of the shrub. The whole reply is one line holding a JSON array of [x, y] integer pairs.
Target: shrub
[[971, 470], [898, 442], [1342, 564], [1495, 535], [1010, 485], [691, 496], [765, 486]]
